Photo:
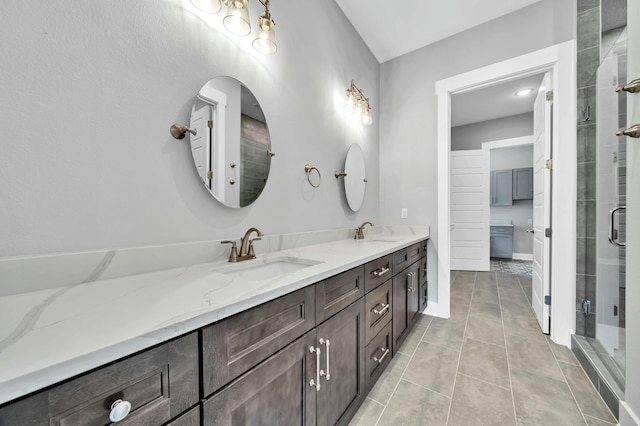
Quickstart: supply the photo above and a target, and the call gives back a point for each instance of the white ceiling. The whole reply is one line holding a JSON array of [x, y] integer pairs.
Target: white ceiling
[[494, 102], [393, 28]]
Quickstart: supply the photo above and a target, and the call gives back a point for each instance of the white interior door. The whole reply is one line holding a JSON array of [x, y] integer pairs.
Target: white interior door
[[540, 289], [469, 211], [200, 142]]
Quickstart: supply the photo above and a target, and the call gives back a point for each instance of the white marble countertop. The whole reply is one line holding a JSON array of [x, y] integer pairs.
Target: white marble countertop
[[54, 333]]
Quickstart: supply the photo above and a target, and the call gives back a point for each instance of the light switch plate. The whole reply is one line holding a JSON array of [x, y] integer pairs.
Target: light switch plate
[[403, 213]]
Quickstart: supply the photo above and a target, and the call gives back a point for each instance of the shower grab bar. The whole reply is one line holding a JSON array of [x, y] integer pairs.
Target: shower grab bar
[[613, 238]]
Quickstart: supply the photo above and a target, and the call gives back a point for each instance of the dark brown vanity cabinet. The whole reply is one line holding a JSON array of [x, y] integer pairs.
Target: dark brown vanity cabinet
[[338, 292], [160, 384], [405, 303]]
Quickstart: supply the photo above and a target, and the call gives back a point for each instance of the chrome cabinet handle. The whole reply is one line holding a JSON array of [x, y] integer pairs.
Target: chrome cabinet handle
[[119, 410], [632, 132], [385, 352], [326, 375], [380, 272], [410, 283], [613, 239], [316, 383], [632, 87], [384, 307]]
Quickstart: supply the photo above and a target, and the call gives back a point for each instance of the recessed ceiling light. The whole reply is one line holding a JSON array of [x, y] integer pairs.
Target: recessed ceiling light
[[523, 92]]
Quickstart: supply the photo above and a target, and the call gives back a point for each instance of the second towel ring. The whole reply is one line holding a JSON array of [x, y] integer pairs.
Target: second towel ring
[[308, 168]]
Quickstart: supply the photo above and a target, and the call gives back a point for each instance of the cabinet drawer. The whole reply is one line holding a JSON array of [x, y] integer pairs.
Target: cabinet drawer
[[232, 346], [377, 272], [378, 356], [502, 230], [160, 383], [378, 309], [405, 257], [338, 292]]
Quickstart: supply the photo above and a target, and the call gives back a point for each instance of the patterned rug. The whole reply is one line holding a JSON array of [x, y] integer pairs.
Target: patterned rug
[[518, 267]]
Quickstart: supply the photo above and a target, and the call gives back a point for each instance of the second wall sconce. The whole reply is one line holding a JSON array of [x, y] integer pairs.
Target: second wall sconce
[[236, 21], [357, 105]]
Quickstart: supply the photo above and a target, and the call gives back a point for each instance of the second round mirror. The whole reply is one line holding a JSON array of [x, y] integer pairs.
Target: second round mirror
[[355, 182]]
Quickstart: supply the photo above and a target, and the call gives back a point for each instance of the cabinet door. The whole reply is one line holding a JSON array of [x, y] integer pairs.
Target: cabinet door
[[376, 273], [405, 257], [378, 356], [502, 246], [342, 341], [234, 345], [523, 184], [338, 292], [413, 293], [501, 188], [379, 309], [276, 392], [423, 296]]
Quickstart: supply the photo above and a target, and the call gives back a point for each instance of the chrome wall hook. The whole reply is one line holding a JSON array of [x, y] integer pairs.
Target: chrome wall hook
[[178, 131]]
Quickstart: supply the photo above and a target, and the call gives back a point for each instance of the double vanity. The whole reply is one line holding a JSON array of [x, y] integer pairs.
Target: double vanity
[[297, 335]]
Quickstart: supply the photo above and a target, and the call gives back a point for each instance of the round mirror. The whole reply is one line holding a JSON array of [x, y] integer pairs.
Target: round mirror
[[355, 181], [231, 146]]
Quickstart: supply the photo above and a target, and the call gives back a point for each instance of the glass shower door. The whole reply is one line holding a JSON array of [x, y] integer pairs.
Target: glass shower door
[[611, 201]]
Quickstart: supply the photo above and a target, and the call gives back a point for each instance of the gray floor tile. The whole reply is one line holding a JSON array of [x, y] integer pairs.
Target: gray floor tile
[[585, 394], [479, 403], [424, 320], [446, 332], [368, 414], [486, 362], [534, 355], [389, 379], [459, 311], [516, 308], [485, 330], [486, 296], [485, 309], [562, 353], [464, 277], [414, 338], [597, 422], [522, 326], [543, 401], [461, 296], [433, 367], [414, 405]]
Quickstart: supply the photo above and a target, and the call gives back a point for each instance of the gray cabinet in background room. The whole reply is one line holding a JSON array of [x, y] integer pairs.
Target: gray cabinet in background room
[[523, 184], [501, 187]]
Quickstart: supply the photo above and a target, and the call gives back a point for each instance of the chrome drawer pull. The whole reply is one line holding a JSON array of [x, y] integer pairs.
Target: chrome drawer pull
[[119, 410], [384, 354], [384, 307], [326, 375], [316, 383], [380, 272]]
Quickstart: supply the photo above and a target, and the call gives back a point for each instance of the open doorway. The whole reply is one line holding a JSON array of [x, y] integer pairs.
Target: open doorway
[[558, 61]]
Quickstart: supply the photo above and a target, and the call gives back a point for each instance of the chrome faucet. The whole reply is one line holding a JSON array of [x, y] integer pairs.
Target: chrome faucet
[[246, 246], [360, 231]]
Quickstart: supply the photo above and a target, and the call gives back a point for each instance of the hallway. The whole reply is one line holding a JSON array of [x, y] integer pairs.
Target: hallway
[[488, 364]]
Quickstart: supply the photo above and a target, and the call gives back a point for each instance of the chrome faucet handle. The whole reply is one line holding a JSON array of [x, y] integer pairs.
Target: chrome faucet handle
[[251, 250], [233, 257]]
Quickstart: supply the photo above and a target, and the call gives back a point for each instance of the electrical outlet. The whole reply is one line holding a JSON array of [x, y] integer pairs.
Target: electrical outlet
[[403, 213]]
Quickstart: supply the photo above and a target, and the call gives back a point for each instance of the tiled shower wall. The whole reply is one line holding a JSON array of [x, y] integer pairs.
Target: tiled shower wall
[[588, 60]]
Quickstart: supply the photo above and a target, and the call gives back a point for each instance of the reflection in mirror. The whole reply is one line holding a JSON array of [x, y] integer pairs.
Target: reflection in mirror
[[355, 181], [232, 147]]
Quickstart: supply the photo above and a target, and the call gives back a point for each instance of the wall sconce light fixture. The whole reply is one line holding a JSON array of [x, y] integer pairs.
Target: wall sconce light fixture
[[357, 105], [236, 21]]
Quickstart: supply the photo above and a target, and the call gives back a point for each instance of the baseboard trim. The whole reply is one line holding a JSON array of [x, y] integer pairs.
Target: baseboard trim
[[435, 310], [627, 416], [522, 256]]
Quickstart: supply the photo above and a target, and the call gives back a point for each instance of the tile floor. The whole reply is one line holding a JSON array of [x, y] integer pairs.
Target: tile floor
[[488, 364]]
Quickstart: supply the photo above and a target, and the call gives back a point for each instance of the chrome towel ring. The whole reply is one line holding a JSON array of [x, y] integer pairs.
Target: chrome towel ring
[[308, 168]]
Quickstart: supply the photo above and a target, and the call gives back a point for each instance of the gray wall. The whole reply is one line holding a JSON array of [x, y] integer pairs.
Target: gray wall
[[471, 136], [90, 89], [522, 210], [408, 109]]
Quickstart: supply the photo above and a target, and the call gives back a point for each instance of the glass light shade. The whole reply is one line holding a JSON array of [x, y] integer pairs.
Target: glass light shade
[[366, 118], [350, 104], [207, 6], [237, 21], [357, 112], [265, 43]]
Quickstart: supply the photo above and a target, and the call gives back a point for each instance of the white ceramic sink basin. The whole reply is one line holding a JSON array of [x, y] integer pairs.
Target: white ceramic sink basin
[[266, 269], [382, 240]]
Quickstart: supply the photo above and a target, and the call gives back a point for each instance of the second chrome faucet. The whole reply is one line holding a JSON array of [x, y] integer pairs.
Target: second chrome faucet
[[360, 231], [246, 246]]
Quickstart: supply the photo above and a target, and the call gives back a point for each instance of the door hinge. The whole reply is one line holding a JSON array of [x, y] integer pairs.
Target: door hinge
[[547, 300], [549, 164], [547, 232], [586, 307], [550, 95], [209, 174], [210, 124]]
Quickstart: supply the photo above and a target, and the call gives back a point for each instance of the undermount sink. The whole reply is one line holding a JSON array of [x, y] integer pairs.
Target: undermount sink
[[266, 269], [382, 240]]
